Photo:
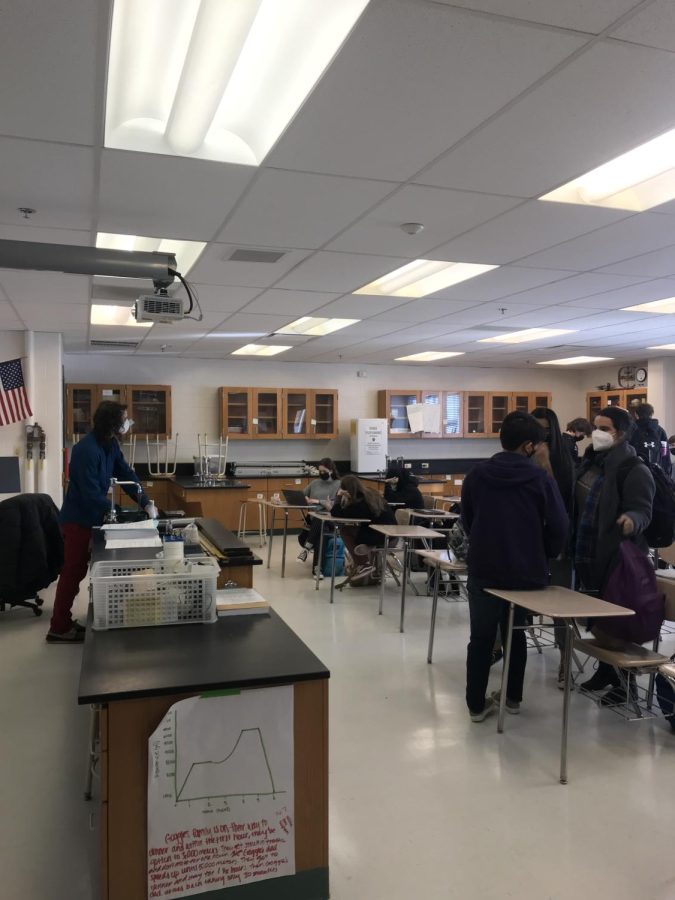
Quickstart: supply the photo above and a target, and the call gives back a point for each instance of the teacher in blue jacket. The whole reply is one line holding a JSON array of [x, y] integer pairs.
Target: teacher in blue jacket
[[94, 461]]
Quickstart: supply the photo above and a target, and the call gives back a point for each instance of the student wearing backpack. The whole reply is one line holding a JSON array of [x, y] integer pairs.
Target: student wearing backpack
[[614, 496], [649, 439]]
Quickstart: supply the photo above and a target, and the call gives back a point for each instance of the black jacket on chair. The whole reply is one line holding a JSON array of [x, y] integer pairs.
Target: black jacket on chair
[[31, 546]]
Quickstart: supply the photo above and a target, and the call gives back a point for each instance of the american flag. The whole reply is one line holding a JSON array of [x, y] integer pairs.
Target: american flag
[[14, 404]]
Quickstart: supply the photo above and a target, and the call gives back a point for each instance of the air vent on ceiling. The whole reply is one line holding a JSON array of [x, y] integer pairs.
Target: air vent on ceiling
[[242, 254], [126, 345]]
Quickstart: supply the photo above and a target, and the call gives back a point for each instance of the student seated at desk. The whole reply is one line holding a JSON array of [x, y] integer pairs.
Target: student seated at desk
[[515, 520], [401, 488], [354, 501], [321, 494]]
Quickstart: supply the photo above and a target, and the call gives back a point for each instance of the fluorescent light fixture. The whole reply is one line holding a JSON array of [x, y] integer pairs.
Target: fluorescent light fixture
[[662, 347], [521, 337], [187, 252], [662, 307], [637, 180], [313, 326], [428, 356], [115, 315], [259, 350], [421, 277], [236, 334], [213, 79], [575, 360]]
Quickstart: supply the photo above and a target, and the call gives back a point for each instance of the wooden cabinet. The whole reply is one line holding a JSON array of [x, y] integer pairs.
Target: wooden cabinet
[[597, 400], [475, 413], [296, 413], [499, 406], [526, 401], [392, 406], [149, 405], [452, 420]]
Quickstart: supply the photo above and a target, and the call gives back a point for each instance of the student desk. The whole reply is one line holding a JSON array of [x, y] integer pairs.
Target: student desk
[[434, 558], [285, 507], [406, 533], [336, 522], [454, 499], [136, 674], [560, 603]]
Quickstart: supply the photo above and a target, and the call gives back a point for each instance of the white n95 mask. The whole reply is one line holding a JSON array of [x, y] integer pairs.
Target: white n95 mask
[[125, 426], [602, 440]]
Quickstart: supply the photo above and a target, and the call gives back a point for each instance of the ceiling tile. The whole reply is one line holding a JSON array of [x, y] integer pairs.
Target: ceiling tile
[[577, 14], [653, 26], [225, 299], [422, 310], [37, 316], [412, 79], [572, 288], [443, 213], [290, 303], [164, 196], [297, 209], [656, 264], [49, 287], [215, 267], [361, 307], [44, 235], [553, 135], [251, 322], [338, 272], [48, 70], [54, 179], [500, 283]]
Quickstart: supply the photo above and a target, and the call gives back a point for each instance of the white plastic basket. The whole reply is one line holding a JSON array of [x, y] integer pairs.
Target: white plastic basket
[[154, 592]]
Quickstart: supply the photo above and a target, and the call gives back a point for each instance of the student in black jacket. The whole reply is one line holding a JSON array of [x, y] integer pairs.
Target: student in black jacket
[[649, 440], [401, 488], [354, 501]]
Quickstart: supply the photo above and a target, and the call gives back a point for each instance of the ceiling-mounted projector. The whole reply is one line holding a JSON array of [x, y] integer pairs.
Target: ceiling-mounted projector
[[158, 308]]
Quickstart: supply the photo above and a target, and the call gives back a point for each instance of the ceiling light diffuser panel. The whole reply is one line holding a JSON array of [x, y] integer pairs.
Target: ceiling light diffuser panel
[[575, 360], [102, 314], [660, 307], [422, 277], [314, 326], [428, 356], [216, 79], [259, 350], [186, 252], [522, 337], [637, 180]]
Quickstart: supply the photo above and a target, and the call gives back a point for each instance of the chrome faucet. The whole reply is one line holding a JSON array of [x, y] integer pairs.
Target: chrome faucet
[[110, 517]]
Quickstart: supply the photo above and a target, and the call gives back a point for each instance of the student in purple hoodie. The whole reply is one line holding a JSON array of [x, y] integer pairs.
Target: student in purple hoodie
[[516, 521]]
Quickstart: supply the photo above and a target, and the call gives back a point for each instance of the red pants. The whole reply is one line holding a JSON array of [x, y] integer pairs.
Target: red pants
[[75, 562]]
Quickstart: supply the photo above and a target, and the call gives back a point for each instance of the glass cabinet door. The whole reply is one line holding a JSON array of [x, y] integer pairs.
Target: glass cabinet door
[[452, 414], [296, 413], [521, 402], [433, 416], [499, 409], [634, 398], [150, 410], [267, 412], [475, 414], [613, 398], [595, 404], [236, 413], [399, 424], [80, 405], [115, 392], [541, 400], [324, 422]]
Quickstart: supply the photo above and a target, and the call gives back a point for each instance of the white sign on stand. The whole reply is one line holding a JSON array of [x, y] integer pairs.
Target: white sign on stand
[[369, 445]]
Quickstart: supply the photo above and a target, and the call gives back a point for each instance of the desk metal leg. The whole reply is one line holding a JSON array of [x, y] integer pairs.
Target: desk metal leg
[[383, 555], [336, 535], [567, 663], [505, 670], [92, 751], [406, 562], [434, 607], [283, 547], [317, 576], [269, 549]]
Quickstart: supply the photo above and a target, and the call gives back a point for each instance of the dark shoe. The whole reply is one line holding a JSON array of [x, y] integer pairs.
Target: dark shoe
[[74, 635], [78, 627], [510, 706], [617, 695], [604, 677]]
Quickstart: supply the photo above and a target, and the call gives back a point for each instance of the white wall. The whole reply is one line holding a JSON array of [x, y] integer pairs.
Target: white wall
[[42, 361], [195, 382]]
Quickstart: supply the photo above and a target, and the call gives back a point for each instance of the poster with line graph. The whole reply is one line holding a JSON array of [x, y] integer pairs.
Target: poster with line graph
[[220, 793]]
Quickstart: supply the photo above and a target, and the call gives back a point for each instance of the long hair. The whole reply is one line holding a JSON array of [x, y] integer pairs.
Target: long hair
[[107, 420], [328, 463], [562, 463], [405, 477], [357, 491]]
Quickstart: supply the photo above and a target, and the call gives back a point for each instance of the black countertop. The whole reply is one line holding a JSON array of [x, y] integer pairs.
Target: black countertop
[[235, 652], [194, 485], [420, 479]]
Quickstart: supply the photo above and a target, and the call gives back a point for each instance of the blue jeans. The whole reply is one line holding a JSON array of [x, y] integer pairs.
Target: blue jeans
[[487, 614]]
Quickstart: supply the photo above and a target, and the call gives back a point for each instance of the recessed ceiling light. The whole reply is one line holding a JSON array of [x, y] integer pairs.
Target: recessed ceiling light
[[662, 347], [115, 315], [421, 277], [236, 334], [575, 360], [521, 337], [427, 356], [311, 325], [259, 350], [654, 306], [216, 80], [186, 252], [637, 180]]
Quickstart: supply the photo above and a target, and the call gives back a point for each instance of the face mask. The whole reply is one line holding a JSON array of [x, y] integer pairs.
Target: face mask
[[324, 476], [602, 440], [125, 426], [578, 437]]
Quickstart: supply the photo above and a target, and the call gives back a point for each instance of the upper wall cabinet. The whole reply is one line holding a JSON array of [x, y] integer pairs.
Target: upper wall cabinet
[[148, 405], [597, 400], [266, 413]]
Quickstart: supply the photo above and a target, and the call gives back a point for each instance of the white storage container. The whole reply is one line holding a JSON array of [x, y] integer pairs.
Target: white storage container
[[154, 592]]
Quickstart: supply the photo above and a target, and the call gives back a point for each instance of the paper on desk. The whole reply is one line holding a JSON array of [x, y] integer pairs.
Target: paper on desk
[[220, 793], [130, 540], [415, 414], [145, 525]]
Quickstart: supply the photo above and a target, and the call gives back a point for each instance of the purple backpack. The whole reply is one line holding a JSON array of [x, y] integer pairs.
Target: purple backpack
[[633, 584]]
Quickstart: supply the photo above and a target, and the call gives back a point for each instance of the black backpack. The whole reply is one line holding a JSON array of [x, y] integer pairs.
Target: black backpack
[[661, 530]]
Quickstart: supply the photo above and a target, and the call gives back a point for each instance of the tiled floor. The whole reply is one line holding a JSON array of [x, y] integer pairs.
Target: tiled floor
[[424, 804]]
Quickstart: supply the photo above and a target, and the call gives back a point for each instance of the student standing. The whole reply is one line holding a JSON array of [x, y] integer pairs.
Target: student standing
[[515, 519]]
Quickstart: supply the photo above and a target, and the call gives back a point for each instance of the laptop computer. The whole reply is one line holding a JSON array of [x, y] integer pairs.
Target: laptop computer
[[295, 498]]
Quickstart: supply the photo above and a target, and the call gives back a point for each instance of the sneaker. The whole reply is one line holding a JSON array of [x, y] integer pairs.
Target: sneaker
[[487, 710], [617, 696], [314, 574], [604, 677], [74, 635], [512, 707], [302, 556], [78, 627], [561, 677]]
